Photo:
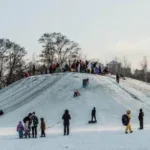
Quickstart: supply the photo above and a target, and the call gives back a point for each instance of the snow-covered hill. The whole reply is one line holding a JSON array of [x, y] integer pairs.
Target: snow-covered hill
[[50, 95]]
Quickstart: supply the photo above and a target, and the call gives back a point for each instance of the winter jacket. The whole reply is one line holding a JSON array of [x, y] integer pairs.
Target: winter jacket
[[93, 112], [26, 126], [66, 117], [35, 121], [141, 115], [117, 77], [57, 70], [129, 116], [20, 127], [43, 126], [27, 119]]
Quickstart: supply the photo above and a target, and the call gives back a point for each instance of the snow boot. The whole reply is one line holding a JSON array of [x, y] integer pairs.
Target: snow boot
[[131, 131], [126, 132]]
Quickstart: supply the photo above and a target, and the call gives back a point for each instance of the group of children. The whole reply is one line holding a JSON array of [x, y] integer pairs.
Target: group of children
[[24, 131]]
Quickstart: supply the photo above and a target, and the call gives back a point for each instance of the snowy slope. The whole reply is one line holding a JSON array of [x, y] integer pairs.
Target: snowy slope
[[50, 95]]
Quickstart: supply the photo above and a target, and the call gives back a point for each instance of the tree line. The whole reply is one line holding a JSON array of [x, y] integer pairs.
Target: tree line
[[56, 48]]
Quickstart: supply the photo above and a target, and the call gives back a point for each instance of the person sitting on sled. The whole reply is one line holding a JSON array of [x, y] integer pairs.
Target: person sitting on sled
[[76, 93]]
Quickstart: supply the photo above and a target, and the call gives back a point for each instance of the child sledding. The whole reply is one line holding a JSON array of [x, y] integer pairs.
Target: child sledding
[[85, 82], [76, 93]]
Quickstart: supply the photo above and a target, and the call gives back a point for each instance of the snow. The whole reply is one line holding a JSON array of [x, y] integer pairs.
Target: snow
[[50, 95]]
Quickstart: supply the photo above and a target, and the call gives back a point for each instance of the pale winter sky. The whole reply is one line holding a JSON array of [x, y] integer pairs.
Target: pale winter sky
[[103, 28]]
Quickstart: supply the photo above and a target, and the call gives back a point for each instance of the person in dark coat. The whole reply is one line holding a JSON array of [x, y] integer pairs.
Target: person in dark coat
[[33, 70], [43, 127], [34, 125], [141, 118], [93, 114], [29, 119], [66, 117], [117, 77]]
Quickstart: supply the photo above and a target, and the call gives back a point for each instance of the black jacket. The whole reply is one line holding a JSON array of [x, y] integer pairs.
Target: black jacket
[[66, 117], [93, 112], [35, 121], [27, 118], [141, 115]]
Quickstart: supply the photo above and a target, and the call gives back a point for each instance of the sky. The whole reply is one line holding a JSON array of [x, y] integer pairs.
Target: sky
[[104, 29]]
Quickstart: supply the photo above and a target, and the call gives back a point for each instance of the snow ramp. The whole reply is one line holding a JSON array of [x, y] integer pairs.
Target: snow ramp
[[50, 95]]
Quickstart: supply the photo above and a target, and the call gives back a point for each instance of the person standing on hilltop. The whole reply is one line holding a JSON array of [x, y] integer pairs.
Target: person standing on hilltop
[[117, 77]]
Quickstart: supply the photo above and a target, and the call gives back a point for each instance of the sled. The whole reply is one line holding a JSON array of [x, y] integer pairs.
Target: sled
[[125, 120], [92, 121]]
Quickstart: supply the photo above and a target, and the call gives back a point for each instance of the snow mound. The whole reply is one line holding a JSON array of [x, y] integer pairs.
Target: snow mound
[[50, 95]]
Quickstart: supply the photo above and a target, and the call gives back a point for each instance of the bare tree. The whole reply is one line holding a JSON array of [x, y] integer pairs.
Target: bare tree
[[144, 66], [5, 44], [126, 67], [58, 46], [14, 61], [48, 53]]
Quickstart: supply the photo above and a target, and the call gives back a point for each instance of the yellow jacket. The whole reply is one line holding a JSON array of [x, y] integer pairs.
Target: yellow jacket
[[129, 116]]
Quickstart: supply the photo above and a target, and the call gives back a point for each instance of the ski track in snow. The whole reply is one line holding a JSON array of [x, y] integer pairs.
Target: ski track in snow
[[50, 95]]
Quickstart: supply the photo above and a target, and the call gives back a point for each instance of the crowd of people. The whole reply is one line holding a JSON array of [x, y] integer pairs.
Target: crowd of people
[[31, 123], [76, 66]]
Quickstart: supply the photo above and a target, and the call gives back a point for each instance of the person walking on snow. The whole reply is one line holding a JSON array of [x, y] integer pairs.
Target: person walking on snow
[[66, 117], [141, 118], [128, 127], [43, 127], [34, 125], [20, 129], [93, 114]]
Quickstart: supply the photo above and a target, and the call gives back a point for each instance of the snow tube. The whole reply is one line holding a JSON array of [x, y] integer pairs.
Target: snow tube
[[125, 120]]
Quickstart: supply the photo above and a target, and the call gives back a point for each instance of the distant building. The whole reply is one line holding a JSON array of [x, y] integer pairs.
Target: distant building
[[126, 71], [114, 67]]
